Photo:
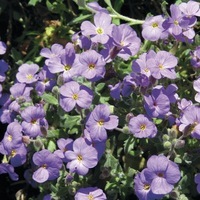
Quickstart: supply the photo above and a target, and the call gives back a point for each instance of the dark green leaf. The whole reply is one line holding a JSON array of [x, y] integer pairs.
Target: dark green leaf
[[50, 99]]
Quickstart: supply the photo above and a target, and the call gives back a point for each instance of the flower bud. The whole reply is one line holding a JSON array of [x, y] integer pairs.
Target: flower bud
[[167, 145], [180, 144]]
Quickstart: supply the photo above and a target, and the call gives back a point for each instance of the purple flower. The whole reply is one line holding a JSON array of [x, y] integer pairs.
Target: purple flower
[[33, 120], [96, 7], [63, 145], [101, 30], [190, 121], [197, 181], [2, 48], [27, 73], [100, 146], [128, 85], [190, 9], [195, 60], [82, 158], [54, 52], [90, 193], [48, 164], [152, 28], [3, 69], [126, 41], [142, 187], [141, 127], [91, 65], [46, 81], [64, 63], [19, 94], [99, 121], [162, 65], [115, 90], [13, 137], [183, 104], [7, 168], [140, 65], [157, 104], [196, 86], [73, 94], [162, 176], [82, 41]]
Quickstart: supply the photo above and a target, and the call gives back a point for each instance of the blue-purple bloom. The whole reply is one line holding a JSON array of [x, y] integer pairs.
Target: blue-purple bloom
[[101, 30], [197, 181], [48, 164], [100, 120], [141, 127], [33, 121], [7, 168], [2, 48], [90, 193], [73, 94], [82, 158], [27, 73], [153, 29], [91, 65]]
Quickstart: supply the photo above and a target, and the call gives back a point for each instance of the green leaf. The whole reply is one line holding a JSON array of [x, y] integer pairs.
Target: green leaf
[[129, 145], [33, 2], [100, 86], [51, 146], [49, 99]]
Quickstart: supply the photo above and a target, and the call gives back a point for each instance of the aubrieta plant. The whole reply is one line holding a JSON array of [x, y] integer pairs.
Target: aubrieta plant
[[110, 115]]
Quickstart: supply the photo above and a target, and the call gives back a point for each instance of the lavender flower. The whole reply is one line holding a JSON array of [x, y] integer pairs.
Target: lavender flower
[[141, 127], [48, 166], [46, 81], [54, 52], [73, 94], [13, 137], [101, 30], [164, 176], [2, 48], [196, 86], [90, 193], [7, 168], [190, 121], [91, 65], [64, 63], [99, 121], [183, 104], [96, 7], [162, 65], [195, 60], [152, 28], [33, 120], [197, 181], [3, 69], [157, 104], [126, 41], [143, 188], [27, 73], [63, 145], [82, 158]]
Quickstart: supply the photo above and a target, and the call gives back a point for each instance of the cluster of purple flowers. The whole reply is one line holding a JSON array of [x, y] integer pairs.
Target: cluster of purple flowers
[[180, 24], [158, 179], [69, 75]]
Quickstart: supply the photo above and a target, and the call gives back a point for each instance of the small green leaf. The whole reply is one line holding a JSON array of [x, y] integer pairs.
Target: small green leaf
[[49, 99], [51, 146], [33, 2]]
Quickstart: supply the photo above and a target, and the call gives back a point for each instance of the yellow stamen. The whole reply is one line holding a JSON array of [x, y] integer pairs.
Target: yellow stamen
[[9, 138], [79, 158], [44, 166], [67, 67], [142, 127], [29, 76], [101, 122], [91, 66], [160, 66], [13, 153], [75, 96], [99, 31], [155, 25], [90, 197], [176, 22], [146, 187]]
